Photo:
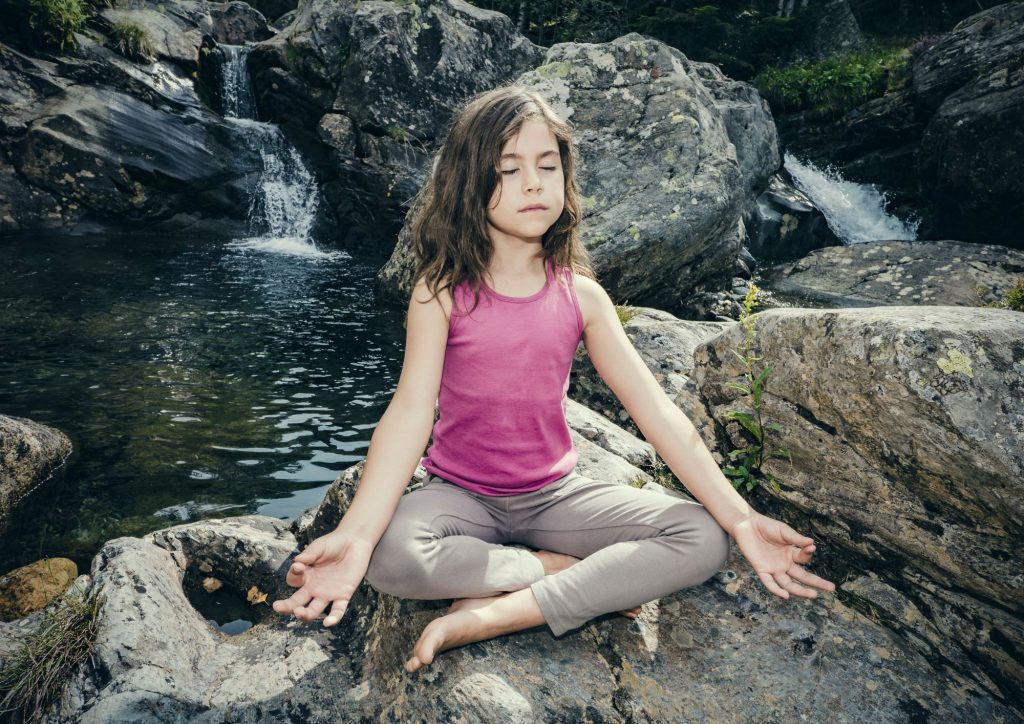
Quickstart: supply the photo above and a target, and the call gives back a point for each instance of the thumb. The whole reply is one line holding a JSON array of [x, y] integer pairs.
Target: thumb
[[311, 553], [791, 536]]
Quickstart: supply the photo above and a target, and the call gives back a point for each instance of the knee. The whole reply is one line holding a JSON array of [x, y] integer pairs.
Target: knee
[[395, 567], [714, 544]]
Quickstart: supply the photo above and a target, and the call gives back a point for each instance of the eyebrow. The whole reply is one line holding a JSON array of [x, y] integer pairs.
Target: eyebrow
[[516, 155]]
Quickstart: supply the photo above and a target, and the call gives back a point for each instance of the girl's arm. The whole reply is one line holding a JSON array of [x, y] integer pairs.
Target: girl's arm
[[401, 435], [663, 424]]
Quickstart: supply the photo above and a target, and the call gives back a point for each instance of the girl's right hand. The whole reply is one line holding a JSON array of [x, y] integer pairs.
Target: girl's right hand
[[328, 571]]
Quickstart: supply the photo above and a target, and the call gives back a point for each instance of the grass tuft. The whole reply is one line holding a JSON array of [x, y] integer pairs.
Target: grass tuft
[[34, 676]]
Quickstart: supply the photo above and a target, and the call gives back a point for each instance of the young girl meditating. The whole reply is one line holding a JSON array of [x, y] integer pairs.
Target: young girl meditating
[[503, 294]]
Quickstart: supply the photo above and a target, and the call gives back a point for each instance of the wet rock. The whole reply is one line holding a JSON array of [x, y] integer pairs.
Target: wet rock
[[30, 454], [905, 426], [785, 224], [388, 76], [29, 588], [900, 273]]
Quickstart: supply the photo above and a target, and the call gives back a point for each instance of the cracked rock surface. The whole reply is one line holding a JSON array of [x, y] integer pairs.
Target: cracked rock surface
[[901, 272], [906, 428]]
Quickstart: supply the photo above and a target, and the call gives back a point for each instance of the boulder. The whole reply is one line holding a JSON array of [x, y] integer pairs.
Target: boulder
[[30, 454], [156, 658], [29, 588], [95, 142], [906, 432], [366, 90], [785, 223], [671, 155], [898, 273]]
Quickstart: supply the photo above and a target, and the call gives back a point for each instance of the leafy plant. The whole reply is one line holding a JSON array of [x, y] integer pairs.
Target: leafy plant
[[745, 469], [132, 41], [835, 85], [1013, 299], [42, 24], [625, 313], [35, 674]]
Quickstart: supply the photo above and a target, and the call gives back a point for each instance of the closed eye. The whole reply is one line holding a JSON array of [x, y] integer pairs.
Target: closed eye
[[516, 170]]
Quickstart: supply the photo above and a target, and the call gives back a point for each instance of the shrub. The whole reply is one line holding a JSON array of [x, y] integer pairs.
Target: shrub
[[132, 41], [42, 24], [835, 85]]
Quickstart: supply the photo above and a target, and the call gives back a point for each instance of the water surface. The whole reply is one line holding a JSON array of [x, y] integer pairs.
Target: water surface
[[196, 378]]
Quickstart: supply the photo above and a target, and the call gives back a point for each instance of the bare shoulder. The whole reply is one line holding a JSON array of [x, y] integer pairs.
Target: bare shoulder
[[591, 296], [422, 294]]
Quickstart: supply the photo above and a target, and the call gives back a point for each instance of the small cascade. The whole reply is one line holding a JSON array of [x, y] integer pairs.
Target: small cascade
[[855, 212], [283, 205]]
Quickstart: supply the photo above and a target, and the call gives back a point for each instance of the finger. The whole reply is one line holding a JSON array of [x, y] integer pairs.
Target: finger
[[296, 574], [771, 585], [297, 599], [797, 590], [804, 554], [311, 553], [337, 611], [810, 579], [791, 536], [311, 611]]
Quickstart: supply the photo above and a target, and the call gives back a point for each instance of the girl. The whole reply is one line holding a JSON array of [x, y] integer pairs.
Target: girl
[[503, 294]]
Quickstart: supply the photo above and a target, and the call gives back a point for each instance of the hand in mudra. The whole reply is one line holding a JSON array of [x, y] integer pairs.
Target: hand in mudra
[[775, 552], [327, 572]]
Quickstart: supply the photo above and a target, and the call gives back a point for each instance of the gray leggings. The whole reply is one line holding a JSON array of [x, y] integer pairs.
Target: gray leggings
[[637, 545]]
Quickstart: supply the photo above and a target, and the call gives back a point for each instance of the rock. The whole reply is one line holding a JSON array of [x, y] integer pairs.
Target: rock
[[30, 454], [666, 345], [945, 145], [94, 142], [388, 75], [900, 273], [156, 658], [906, 428], [968, 165], [669, 150], [785, 224], [13, 633], [29, 588]]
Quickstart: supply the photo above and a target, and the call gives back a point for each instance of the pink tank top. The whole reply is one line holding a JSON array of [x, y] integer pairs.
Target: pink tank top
[[502, 400]]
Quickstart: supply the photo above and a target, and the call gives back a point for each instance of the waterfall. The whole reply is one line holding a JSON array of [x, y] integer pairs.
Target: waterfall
[[283, 203], [855, 212]]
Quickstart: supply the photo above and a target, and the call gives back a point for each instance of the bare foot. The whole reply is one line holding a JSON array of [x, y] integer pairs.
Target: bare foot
[[555, 562], [475, 619]]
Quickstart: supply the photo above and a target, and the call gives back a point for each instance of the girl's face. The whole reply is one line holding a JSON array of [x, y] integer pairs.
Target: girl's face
[[531, 177]]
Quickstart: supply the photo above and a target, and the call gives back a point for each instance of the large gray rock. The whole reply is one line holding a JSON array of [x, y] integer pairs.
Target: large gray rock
[[30, 454], [671, 155], [899, 273], [369, 86], [157, 659], [906, 428]]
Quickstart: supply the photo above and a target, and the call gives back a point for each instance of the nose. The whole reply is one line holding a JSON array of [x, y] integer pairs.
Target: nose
[[531, 180]]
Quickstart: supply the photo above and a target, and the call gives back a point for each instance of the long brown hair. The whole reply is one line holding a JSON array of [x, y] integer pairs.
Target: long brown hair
[[448, 217]]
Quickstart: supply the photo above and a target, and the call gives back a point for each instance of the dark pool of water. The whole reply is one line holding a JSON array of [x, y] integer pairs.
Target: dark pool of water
[[196, 379]]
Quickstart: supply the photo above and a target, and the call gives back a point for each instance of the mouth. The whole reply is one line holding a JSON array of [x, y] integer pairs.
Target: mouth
[[535, 207]]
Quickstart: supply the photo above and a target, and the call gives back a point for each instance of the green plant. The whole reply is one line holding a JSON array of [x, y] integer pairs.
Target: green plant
[[745, 469], [1013, 299], [132, 41], [42, 24], [398, 133], [35, 673], [835, 85], [625, 313]]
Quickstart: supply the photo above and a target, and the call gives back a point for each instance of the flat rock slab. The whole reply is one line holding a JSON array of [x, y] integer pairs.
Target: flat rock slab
[[901, 273]]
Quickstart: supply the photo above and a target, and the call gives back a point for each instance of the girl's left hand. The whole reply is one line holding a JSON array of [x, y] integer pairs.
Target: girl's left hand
[[775, 552]]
